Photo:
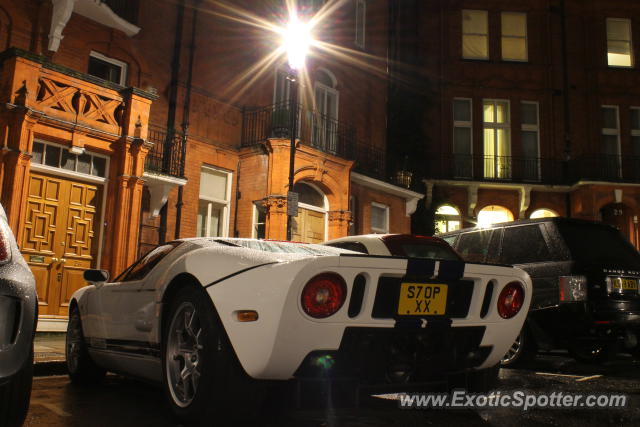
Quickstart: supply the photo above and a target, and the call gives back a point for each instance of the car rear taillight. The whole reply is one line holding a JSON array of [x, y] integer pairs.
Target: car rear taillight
[[324, 295], [5, 247], [572, 288], [510, 300]]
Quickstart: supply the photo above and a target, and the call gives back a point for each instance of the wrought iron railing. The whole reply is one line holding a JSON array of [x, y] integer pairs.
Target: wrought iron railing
[[126, 9], [315, 129], [167, 154]]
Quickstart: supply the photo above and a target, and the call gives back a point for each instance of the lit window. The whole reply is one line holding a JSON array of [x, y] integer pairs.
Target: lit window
[[611, 161], [619, 51], [361, 19], [107, 68], [635, 130], [475, 34], [530, 140], [259, 220], [497, 139], [447, 219], [493, 215], [514, 36], [213, 207], [56, 156], [543, 213], [379, 218], [462, 138]]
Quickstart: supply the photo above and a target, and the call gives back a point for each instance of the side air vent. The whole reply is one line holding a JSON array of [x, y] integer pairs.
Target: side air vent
[[486, 302], [357, 295]]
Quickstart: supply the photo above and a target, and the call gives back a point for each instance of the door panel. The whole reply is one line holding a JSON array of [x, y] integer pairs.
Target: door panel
[[308, 226], [58, 238]]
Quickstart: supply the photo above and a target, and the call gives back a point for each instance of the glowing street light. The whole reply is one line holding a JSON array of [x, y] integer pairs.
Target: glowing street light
[[296, 39]]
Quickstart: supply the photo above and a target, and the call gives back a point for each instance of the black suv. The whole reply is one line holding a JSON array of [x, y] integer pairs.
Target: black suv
[[585, 283]]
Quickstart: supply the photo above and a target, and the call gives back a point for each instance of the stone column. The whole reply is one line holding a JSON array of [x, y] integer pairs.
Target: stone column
[[338, 223]]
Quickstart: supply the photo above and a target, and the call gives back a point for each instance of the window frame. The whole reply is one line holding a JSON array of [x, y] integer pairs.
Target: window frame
[[376, 230], [635, 133], [526, 127], [361, 24], [124, 67], [485, 35], [630, 41], [503, 37], [495, 126], [462, 124], [225, 204]]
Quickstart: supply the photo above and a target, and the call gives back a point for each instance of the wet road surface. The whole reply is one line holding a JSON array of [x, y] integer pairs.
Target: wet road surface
[[123, 402]]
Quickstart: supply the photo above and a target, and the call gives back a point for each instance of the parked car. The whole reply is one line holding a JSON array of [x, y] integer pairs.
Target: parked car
[[404, 245], [208, 317], [585, 283], [18, 318]]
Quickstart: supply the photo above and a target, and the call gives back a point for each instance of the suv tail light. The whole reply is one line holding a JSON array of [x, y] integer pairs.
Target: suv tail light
[[324, 295], [510, 300], [572, 288]]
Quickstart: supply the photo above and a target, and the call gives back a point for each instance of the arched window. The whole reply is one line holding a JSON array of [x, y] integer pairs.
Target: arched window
[[447, 219], [493, 214], [310, 224], [543, 213]]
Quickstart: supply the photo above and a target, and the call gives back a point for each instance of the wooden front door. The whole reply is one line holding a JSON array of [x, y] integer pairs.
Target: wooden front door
[[59, 240], [308, 226]]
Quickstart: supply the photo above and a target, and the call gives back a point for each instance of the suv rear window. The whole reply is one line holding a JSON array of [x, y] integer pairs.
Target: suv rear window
[[474, 246], [592, 243]]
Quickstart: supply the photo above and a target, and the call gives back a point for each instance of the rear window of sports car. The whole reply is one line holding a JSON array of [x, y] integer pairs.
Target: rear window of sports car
[[284, 247]]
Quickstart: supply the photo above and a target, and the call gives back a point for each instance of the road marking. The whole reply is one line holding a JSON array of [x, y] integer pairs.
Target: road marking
[[592, 377], [56, 409], [558, 375]]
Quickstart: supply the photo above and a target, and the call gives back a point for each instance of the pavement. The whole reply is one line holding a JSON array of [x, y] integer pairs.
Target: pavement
[[48, 354]]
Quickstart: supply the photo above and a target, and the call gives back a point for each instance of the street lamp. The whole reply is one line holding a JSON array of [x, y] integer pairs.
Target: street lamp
[[295, 41]]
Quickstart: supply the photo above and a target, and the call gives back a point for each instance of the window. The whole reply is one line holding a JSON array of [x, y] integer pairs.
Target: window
[[493, 215], [475, 34], [514, 36], [474, 247], [619, 47], [447, 219], [611, 162], [379, 218], [352, 246], [56, 156], [530, 140], [144, 265], [213, 208], [497, 139], [325, 119], [107, 68], [543, 213], [635, 131], [462, 138], [353, 207], [259, 220], [514, 252], [361, 18]]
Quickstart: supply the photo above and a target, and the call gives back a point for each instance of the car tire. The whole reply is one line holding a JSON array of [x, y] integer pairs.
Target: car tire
[[15, 395], [202, 377], [81, 368], [522, 351], [591, 352]]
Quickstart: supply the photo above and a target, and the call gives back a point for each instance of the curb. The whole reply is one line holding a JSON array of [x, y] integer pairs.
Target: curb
[[48, 368]]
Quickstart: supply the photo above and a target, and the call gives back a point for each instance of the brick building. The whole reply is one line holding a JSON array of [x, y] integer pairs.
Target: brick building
[[533, 108], [128, 123]]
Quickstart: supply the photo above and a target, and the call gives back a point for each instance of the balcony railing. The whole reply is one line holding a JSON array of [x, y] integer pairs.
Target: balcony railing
[[533, 170], [125, 9], [168, 153], [314, 129]]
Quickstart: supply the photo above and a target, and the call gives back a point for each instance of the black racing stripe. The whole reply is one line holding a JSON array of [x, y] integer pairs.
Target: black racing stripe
[[239, 272], [141, 348], [420, 267], [451, 270]]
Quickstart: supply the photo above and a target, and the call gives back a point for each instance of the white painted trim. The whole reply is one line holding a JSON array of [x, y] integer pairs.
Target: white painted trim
[[386, 219], [124, 68], [226, 203], [411, 197], [68, 174], [98, 11], [164, 178]]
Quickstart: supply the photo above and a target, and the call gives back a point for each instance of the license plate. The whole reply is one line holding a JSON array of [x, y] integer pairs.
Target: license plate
[[622, 284], [422, 299]]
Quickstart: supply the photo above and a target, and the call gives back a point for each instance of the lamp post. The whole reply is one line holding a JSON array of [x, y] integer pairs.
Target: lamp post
[[296, 40]]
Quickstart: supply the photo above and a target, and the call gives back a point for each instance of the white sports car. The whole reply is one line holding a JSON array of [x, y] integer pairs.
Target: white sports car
[[209, 316]]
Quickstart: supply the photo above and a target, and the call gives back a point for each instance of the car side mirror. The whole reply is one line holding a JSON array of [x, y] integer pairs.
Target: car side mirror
[[96, 276]]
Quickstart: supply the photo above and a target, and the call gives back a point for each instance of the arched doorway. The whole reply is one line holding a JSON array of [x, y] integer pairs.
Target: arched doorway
[[618, 215], [310, 224], [543, 213], [493, 214]]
